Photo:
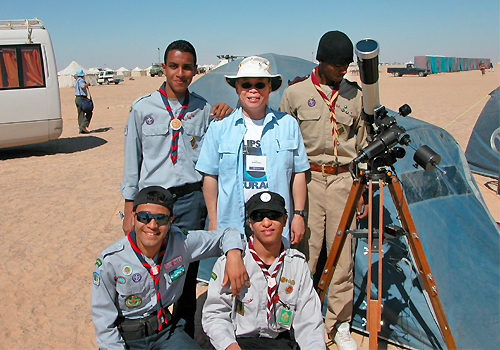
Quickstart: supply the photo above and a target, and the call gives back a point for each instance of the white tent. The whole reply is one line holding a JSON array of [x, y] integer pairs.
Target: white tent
[[138, 72], [123, 71], [66, 76]]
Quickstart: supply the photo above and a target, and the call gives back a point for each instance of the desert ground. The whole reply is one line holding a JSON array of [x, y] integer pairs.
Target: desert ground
[[60, 201]]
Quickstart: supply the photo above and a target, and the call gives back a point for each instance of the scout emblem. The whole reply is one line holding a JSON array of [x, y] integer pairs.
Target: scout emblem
[[311, 102], [133, 301], [175, 124], [136, 277], [127, 270], [149, 120], [155, 270], [341, 130], [285, 317]]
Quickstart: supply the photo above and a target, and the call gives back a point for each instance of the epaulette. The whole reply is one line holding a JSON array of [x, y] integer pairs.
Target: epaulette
[[353, 83], [113, 249], [139, 99], [294, 253], [194, 94]]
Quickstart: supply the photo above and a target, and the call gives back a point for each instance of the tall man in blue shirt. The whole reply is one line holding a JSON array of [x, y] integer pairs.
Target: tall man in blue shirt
[[163, 138]]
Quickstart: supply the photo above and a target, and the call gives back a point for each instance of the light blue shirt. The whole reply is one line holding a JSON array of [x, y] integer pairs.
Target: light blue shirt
[[79, 90], [148, 140], [222, 155]]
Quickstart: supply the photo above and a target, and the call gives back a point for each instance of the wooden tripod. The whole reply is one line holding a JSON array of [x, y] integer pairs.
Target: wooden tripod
[[374, 307]]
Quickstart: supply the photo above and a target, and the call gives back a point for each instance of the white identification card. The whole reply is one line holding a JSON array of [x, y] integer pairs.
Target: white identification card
[[256, 163]]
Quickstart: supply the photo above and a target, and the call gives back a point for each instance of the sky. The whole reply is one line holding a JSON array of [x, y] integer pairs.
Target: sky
[[135, 33]]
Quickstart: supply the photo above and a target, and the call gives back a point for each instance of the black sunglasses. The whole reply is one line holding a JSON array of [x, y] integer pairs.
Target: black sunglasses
[[145, 218], [258, 216], [248, 85]]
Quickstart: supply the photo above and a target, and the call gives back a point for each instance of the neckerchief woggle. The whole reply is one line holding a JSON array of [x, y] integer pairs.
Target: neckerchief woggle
[[154, 272], [330, 102], [175, 123], [272, 286]]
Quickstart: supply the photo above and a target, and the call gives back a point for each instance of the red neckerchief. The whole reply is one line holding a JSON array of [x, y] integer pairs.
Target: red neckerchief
[[175, 133], [154, 272], [330, 102], [272, 285]]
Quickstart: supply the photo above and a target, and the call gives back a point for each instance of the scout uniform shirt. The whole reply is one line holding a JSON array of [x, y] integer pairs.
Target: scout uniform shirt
[[303, 101], [123, 287], [225, 318]]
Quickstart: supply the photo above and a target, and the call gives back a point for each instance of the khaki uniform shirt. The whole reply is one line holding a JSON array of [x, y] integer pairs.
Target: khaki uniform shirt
[[303, 101]]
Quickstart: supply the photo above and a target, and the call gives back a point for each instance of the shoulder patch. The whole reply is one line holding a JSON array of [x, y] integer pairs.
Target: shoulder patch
[[194, 94], [213, 276], [98, 262]]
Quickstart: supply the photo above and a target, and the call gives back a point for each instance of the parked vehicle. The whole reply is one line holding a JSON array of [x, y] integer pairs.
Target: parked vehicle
[[156, 69], [108, 76], [410, 69], [29, 89]]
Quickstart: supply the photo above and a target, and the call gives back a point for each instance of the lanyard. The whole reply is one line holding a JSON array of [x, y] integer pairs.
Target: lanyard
[[272, 286], [154, 272], [175, 123], [330, 102]]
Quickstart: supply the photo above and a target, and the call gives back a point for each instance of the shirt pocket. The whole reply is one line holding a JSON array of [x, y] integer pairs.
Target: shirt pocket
[[131, 295], [228, 157], [286, 150]]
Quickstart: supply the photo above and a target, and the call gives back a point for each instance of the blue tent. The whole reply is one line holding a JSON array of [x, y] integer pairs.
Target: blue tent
[[461, 243], [213, 87], [459, 236], [481, 150]]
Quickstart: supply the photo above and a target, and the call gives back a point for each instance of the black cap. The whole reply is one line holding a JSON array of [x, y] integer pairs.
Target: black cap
[[266, 201], [154, 195], [335, 48]]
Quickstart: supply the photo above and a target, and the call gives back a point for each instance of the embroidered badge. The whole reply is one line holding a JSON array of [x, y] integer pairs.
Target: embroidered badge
[[97, 279], [178, 272], [285, 317], [171, 263], [192, 141], [136, 277], [127, 270], [283, 279], [288, 289], [311, 102], [98, 262], [240, 308], [121, 280], [149, 120], [133, 301], [341, 130], [130, 110], [214, 276], [265, 197]]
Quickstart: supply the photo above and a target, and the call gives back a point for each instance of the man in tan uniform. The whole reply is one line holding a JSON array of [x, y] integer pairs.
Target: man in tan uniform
[[328, 109]]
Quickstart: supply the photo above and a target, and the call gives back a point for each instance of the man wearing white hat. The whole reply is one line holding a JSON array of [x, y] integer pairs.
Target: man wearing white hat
[[252, 150]]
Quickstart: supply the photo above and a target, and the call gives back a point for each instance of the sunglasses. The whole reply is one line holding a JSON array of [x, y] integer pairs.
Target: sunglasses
[[258, 216], [258, 86], [145, 218]]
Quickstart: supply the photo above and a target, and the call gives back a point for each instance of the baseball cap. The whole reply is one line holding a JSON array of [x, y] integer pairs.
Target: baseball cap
[[266, 200], [154, 195]]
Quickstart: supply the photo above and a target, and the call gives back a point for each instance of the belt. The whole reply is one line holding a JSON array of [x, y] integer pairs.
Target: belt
[[328, 169], [180, 191], [132, 329]]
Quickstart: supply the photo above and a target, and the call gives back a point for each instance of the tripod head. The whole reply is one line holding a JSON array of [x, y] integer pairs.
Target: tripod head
[[384, 132]]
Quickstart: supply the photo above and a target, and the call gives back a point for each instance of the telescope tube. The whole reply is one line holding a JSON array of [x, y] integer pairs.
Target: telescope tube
[[367, 52]]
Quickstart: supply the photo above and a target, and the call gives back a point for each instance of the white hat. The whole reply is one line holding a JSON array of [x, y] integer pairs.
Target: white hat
[[255, 67]]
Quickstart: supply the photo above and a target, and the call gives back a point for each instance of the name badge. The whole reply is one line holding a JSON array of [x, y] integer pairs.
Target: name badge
[[177, 273], [256, 163]]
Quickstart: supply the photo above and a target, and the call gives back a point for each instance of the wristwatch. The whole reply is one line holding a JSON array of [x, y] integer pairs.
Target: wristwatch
[[302, 213]]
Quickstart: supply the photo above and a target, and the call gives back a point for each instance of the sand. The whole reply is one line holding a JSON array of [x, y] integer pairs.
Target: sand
[[60, 201]]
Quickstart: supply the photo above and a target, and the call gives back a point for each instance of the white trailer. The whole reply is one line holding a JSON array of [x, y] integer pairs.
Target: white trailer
[[29, 91]]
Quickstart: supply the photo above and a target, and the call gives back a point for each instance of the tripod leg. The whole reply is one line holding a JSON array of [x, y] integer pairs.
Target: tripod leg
[[340, 238], [420, 259]]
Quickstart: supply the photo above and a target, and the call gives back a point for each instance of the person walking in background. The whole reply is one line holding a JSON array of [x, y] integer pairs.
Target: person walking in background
[[81, 91], [252, 150], [328, 108]]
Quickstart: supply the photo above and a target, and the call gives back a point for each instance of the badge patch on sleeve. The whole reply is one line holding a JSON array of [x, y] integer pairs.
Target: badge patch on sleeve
[[214, 276], [98, 262], [177, 273], [97, 279]]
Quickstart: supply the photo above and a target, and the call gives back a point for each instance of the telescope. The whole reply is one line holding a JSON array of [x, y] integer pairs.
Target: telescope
[[385, 133]]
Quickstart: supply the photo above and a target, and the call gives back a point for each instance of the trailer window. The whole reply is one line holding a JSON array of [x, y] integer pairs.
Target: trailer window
[[21, 67]]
